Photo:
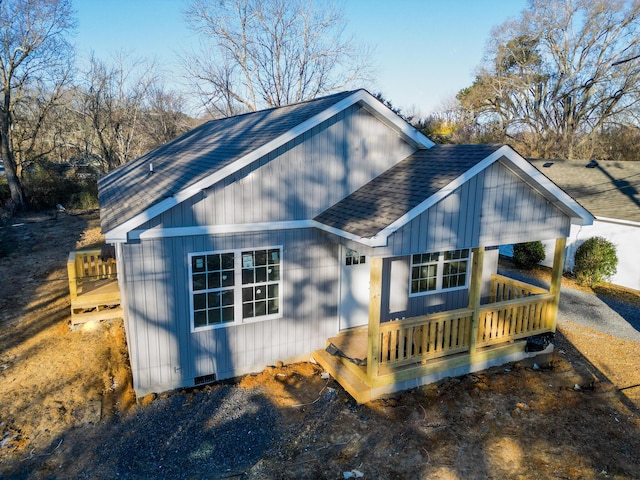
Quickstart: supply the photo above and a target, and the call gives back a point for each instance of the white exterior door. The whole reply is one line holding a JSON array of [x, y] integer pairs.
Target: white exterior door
[[354, 289]]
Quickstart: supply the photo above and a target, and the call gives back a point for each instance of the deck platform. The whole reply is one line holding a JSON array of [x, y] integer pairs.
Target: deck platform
[[93, 287]]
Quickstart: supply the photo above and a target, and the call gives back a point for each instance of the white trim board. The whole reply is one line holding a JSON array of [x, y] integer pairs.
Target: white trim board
[[409, 133]]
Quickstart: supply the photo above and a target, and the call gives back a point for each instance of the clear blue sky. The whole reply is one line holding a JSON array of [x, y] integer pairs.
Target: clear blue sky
[[424, 51]]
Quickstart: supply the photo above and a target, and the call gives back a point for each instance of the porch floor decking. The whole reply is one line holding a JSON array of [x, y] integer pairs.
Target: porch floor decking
[[352, 345]]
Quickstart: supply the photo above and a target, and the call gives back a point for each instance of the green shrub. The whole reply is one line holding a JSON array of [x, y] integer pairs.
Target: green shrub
[[528, 255], [595, 261]]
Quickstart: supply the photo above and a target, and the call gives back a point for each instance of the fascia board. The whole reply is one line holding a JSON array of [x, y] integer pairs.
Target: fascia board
[[155, 233], [408, 132], [619, 221]]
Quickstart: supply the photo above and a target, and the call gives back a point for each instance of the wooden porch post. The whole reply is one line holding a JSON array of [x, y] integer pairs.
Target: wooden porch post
[[556, 281], [375, 299], [475, 293]]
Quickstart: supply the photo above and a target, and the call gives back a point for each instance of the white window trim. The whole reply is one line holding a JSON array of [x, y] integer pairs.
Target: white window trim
[[439, 274], [237, 289]]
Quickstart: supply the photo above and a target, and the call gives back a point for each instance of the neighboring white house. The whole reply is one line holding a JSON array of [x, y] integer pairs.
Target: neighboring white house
[[611, 192]]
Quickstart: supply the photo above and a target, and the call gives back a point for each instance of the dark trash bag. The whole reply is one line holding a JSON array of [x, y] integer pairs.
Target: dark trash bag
[[537, 343]]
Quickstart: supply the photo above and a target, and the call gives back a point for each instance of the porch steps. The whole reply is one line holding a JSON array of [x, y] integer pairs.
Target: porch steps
[[338, 369]]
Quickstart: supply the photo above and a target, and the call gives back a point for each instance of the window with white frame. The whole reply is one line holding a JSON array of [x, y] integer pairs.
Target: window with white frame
[[439, 271], [234, 286], [260, 283]]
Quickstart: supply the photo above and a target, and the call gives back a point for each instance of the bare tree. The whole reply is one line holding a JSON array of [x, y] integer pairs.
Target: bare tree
[[111, 102], [548, 81], [266, 53], [34, 51]]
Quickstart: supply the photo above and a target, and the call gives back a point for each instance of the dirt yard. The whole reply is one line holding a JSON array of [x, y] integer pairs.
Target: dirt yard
[[67, 409]]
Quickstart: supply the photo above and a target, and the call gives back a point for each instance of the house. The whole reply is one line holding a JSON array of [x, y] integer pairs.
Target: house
[[610, 190], [269, 235]]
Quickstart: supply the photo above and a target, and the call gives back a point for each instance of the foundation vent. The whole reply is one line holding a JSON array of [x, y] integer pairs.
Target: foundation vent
[[204, 379]]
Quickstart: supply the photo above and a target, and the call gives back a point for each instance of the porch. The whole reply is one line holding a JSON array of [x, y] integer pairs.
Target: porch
[[392, 356], [93, 287]]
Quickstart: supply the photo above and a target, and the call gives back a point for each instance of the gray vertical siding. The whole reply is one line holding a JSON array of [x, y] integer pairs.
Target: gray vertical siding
[[493, 208], [164, 352], [299, 180]]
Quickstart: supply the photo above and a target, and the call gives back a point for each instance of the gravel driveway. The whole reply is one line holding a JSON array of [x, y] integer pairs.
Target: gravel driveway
[[602, 314]]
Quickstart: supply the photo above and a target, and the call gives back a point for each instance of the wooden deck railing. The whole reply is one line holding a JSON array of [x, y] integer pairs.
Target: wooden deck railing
[[85, 266], [413, 340], [505, 288], [513, 319], [517, 310]]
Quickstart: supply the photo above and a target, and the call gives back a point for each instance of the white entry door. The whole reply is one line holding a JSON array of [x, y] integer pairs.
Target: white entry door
[[354, 289]]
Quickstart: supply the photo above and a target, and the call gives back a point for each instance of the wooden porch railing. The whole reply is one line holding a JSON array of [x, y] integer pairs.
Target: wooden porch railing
[[415, 339], [505, 288], [513, 319], [517, 310]]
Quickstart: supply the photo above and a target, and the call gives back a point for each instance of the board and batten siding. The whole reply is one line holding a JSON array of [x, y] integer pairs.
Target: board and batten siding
[[398, 304], [165, 354], [494, 207], [300, 179]]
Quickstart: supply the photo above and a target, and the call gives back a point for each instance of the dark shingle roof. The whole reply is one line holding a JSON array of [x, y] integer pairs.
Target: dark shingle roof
[[609, 189], [403, 187], [130, 190]]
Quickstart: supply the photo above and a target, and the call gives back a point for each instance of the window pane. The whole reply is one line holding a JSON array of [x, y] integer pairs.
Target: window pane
[[431, 284], [214, 299], [272, 291], [227, 297], [274, 256], [260, 309], [247, 310], [414, 286], [227, 278], [200, 318], [200, 301], [197, 263], [247, 276], [261, 274], [227, 314], [273, 306], [213, 280], [227, 261], [213, 262], [214, 316], [247, 260], [274, 273], [415, 273], [247, 294], [199, 282], [349, 261], [261, 257], [261, 293]]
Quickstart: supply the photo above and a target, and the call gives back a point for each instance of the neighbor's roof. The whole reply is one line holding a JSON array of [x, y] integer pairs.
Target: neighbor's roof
[[402, 188], [607, 189], [130, 195]]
